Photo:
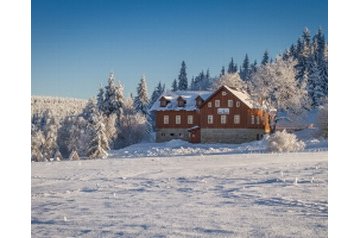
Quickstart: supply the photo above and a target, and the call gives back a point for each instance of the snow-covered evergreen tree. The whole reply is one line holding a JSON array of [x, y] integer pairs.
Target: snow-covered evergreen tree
[[114, 97], [100, 99], [37, 142], [98, 145], [182, 78], [141, 101], [50, 128], [222, 72]]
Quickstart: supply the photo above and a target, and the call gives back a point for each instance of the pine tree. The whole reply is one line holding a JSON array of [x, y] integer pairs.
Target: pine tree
[[50, 128], [114, 97], [156, 93], [265, 58], [98, 145], [222, 72], [182, 78], [232, 68], [245, 69], [175, 85], [100, 99], [141, 101]]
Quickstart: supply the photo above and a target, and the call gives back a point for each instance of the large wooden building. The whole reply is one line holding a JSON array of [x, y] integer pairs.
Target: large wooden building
[[224, 116]]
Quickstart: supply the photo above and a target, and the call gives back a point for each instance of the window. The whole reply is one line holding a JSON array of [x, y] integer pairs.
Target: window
[[252, 119], [172, 134], [237, 103], [209, 104], [217, 103], [166, 119], [177, 119], [163, 103], [230, 103], [257, 120], [236, 119], [210, 119], [190, 119], [223, 119], [223, 93]]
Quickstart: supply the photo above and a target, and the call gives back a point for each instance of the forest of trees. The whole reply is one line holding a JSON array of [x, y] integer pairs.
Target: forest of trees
[[294, 81]]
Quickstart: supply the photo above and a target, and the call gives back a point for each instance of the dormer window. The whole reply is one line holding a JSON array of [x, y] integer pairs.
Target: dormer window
[[164, 101], [181, 102], [199, 101]]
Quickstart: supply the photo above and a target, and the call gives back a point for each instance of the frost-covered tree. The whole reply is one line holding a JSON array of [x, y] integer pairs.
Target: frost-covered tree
[[58, 156], [98, 145], [133, 129], [182, 78], [175, 85], [100, 99], [49, 126], [37, 142], [275, 83], [141, 101], [114, 97], [231, 80], [245, 69]]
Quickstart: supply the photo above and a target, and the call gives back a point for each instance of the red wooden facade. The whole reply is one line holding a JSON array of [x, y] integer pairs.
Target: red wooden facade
[[222, 109]]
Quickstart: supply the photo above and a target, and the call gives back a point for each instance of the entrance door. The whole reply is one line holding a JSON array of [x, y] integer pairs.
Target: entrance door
[[194, 135]]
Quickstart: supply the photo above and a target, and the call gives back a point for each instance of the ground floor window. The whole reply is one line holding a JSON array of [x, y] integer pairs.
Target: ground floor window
[[236, 119], [223, 119], [210, 119]]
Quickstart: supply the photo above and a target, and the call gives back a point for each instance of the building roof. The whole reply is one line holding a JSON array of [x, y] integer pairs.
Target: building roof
[[172, 97]]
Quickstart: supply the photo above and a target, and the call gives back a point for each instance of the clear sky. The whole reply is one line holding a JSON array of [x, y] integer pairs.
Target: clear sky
[[76, 43]]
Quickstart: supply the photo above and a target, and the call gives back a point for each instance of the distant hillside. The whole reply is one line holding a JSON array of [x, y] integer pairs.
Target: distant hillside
[[60, 107]]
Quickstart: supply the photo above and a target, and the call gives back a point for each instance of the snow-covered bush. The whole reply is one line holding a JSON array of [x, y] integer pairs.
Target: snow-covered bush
[[284, 142]]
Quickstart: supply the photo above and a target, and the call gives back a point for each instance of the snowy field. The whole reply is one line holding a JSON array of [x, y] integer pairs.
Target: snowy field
[[222, 195]]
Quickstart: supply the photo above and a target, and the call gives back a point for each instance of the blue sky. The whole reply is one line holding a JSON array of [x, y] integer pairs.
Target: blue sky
[[76, 43]]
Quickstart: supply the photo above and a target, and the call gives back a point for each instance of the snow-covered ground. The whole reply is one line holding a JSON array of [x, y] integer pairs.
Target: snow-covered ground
[[223, 195], [180, 147]]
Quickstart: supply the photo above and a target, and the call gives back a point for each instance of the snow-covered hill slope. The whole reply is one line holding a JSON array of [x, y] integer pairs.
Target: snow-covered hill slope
[[232, 195]]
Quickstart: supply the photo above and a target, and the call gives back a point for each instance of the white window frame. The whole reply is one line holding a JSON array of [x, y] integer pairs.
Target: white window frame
[[230, 103], [190, 119], [210, 104], [252, 119], [217, 103], [210, 119], [257, 120], [166, 119], [223, 93], [237, 119], [223, 119], [237, 103], [177, 119]]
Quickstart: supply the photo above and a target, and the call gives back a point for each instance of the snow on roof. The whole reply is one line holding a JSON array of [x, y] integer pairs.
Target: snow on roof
[[172, 97], [245, 98]]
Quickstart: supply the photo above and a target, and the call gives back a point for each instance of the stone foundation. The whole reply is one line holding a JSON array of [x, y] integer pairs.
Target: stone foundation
[[230, 136], [167, 134]]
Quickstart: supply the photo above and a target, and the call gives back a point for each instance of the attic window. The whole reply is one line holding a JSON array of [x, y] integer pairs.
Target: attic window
[[181, 102], [237, 103], [223, 93], [163, 103]]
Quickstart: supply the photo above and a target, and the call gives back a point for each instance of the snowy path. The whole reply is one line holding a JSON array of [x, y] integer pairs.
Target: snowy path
[[242, 195]]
